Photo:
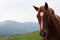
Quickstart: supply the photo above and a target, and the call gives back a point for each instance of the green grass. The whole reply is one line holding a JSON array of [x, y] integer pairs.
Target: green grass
[[29, 36]]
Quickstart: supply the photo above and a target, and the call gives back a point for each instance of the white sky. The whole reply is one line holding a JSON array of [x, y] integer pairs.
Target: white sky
[[22, 10]]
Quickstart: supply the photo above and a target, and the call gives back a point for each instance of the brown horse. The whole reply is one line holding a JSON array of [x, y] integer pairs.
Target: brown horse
[[49, 23]]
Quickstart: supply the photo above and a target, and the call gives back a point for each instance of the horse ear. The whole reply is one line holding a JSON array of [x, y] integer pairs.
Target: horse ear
[[36, 8], [46, 5]]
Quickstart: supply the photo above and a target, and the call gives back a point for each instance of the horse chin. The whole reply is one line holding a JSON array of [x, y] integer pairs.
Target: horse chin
[[43, 35]]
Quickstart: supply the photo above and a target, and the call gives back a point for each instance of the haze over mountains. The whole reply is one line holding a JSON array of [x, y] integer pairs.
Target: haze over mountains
[[12, 27]]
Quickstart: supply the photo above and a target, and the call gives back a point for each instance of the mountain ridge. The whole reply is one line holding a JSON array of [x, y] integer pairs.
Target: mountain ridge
[[10, 27]]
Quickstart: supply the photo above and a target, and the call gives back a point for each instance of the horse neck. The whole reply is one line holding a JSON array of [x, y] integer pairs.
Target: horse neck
[[56, 23], [51, 38], [55, 20]]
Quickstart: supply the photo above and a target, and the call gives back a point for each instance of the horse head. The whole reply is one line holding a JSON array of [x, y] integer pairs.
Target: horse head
[[44, 17]]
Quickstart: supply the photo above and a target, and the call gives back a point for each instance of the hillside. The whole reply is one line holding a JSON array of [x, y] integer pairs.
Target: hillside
[[28, 36], [10, 27]]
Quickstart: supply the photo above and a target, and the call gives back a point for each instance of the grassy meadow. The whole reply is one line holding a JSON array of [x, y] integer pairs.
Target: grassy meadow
[[28, 36]]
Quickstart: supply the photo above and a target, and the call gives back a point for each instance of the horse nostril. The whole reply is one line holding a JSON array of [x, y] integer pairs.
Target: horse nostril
[[43, 34]]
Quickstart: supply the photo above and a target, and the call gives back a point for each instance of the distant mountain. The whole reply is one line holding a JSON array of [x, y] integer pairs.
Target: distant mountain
[[12, 27]]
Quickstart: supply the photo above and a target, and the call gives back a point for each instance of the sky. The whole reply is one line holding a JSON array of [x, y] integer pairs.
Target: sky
[[23, 11]]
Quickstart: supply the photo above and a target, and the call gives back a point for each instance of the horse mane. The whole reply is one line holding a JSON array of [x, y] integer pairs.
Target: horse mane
[[54, 27]]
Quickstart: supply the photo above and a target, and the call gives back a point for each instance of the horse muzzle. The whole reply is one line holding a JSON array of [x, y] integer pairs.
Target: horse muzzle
[[43, 33]]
